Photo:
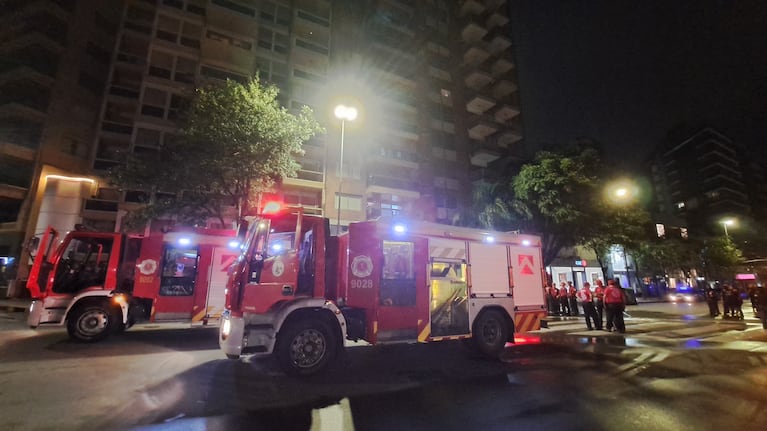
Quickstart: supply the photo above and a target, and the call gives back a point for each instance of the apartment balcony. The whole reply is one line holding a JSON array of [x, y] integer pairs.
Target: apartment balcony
[[503, 88], [8, 191], [473, 31], [401, 130], [479, 104], [483, 154], [476, 53], [239, 23], [477, 79], [505, 113], [24, 72], [496, 19], [481, 126], [306, 179], [236, 59], [502, 65], [507, 137], [471, 7], [394, 186], [499, 43], [388, 156]]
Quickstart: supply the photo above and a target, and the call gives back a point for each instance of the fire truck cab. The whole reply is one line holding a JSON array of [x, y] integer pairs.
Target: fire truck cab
[[98, 283], [298, 292]]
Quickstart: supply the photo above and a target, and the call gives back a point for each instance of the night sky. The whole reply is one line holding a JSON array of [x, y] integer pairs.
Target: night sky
[[626, 72]]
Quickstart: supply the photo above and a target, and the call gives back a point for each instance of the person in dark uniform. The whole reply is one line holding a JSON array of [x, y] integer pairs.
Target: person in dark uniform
[[761, 305], [586, 299], [712, 298], [571, 295]]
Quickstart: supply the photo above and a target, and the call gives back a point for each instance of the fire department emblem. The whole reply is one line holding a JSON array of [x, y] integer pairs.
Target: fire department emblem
[[278, 268], [147, 266], [362, 266]]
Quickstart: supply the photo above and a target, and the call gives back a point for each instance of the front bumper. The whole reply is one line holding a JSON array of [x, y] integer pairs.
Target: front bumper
[[231, 334]]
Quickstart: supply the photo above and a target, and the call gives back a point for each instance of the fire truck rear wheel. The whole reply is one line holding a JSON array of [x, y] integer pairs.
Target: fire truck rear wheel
[[305, 347], [91, 322], [490, 333]]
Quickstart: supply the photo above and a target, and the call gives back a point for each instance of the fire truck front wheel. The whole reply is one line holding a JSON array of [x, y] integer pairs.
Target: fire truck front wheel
[[305, 347], [490, 333], [91, 321]]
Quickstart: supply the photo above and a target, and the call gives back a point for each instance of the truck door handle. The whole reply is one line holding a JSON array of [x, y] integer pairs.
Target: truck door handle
[[287, 290]]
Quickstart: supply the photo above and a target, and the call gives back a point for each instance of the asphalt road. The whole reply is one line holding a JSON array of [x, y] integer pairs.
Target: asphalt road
[[674, 369]]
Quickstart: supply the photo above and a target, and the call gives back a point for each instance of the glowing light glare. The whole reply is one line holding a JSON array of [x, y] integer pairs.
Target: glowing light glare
[[226, 328], [277, 247], [525, 242], [621, 192], [728, 222], [184, 241], [65, 178], [490, 239], [400, 228], [271, 207], [234, 244], [347, 113]]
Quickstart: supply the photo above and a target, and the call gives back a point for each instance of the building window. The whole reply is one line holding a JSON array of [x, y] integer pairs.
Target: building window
[[275, 13], [235, 7], [154, 102], [349, 202]]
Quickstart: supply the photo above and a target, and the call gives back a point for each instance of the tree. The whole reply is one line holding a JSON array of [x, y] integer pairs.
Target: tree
[[610, 225], [721, 258], [235, 142], [554, 196]]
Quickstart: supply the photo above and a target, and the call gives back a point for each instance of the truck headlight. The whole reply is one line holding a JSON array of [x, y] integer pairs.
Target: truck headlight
[[226, 328]]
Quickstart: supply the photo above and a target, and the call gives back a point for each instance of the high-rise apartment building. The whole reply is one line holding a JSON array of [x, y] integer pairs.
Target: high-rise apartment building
[[702, 180], [433, 80], [54, 63]]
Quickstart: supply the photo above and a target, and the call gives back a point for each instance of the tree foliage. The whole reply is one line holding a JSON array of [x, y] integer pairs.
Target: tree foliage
[[553, 196], [721, 258], [235, 142]]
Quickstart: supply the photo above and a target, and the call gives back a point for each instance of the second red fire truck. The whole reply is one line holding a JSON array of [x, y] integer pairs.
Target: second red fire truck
[[297, 292], [98, 283]]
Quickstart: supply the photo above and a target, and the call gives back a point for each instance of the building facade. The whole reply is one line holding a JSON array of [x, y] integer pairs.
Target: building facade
[[700, 182], [434, 82]]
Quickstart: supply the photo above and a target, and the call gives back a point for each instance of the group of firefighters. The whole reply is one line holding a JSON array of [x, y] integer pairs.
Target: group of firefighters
[[603, 302]]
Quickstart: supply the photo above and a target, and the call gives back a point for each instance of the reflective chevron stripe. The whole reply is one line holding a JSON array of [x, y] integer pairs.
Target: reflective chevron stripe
[[525, 321]]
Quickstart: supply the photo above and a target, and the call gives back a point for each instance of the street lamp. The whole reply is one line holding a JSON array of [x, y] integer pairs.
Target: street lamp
[[725, 223], [343, 113]]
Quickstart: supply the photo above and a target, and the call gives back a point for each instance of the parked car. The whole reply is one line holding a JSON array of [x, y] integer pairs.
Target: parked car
[[683, 296]]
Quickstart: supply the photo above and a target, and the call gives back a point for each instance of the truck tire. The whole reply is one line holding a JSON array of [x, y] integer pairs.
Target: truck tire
[[231, 356], [91, 322], [305, 347], [490, 333]]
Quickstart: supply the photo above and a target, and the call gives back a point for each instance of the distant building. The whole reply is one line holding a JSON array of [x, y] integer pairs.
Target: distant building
[[702, 180]]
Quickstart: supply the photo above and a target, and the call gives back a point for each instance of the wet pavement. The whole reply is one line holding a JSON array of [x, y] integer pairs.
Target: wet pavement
[[674, 369]]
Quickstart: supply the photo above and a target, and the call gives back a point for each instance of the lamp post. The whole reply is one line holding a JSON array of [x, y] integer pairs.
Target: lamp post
[[343, 113], [725, 223]]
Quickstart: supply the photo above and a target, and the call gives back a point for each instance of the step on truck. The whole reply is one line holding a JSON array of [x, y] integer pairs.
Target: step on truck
[[298, 292], [99, 283]]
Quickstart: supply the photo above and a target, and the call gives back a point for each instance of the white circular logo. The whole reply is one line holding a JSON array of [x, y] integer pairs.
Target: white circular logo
[[278, 268], [362, 266], [147, 266]]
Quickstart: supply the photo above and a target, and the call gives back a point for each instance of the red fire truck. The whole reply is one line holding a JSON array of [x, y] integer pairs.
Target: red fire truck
[[98, 283], [298, 292]]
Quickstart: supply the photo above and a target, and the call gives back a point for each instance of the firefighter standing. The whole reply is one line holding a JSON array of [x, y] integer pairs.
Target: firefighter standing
[[586, 300], [564, 301], [599, 301], [571, 295], [614, 306]]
